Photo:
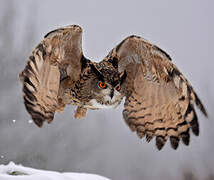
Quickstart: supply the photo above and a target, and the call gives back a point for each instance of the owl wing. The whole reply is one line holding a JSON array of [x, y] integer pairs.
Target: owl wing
[[60, 49], [159, 99]]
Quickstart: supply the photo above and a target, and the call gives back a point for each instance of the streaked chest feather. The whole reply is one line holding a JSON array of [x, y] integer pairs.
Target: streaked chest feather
[[96, 105]]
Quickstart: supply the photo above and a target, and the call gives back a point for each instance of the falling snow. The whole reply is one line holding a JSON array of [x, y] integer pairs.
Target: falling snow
[[30, 121]]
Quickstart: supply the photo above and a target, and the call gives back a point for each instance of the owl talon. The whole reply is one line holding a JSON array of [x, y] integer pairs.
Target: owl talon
[[80, 112], [60, 109], [61, 106]]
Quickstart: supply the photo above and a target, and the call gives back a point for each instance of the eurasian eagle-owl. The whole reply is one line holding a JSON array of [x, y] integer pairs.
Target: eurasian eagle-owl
[[159, 101]]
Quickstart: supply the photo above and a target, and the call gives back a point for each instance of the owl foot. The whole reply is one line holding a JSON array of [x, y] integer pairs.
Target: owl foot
[[80, 112], [61, 106], [60, 109]]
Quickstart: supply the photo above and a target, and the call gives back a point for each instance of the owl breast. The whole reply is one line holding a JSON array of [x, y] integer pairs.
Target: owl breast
[[97, 105], [104, 100]]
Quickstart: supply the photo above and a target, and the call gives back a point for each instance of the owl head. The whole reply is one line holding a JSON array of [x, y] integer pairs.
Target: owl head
[[107, 85]]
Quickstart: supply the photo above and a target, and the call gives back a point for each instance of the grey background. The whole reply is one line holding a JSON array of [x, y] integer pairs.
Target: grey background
[[102, 143]]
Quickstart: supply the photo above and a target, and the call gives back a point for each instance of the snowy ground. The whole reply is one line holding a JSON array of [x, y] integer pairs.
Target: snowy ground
[[18, 172]]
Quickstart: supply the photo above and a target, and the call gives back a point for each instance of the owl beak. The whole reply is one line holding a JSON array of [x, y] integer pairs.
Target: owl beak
[[112, 93]]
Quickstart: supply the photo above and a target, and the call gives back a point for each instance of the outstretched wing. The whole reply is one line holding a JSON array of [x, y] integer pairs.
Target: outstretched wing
[[60, 49], [159, 99]]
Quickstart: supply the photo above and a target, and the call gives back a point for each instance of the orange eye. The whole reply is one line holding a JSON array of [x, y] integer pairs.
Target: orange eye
[[102, 85], [118, 88]]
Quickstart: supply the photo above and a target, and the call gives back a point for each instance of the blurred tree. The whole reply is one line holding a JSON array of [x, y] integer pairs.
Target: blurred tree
[[13, 52]]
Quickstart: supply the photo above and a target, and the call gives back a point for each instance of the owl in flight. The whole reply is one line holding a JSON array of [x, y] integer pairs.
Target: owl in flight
[[159, 100]]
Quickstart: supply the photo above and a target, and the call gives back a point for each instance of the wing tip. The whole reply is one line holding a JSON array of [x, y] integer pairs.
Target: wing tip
[[174, 141], [38, 117], [202, 109], [21, 76], [160, 142], [74, 27], [200, 105], [39, 120], [38, 123]]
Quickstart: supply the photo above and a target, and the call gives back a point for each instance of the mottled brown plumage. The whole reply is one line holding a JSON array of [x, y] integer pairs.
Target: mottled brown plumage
[[159, 99]]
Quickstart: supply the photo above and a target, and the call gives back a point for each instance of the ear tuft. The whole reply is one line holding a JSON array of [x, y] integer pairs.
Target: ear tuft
[[114, 62], [84, 62], [97, 72], [123, 77]]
